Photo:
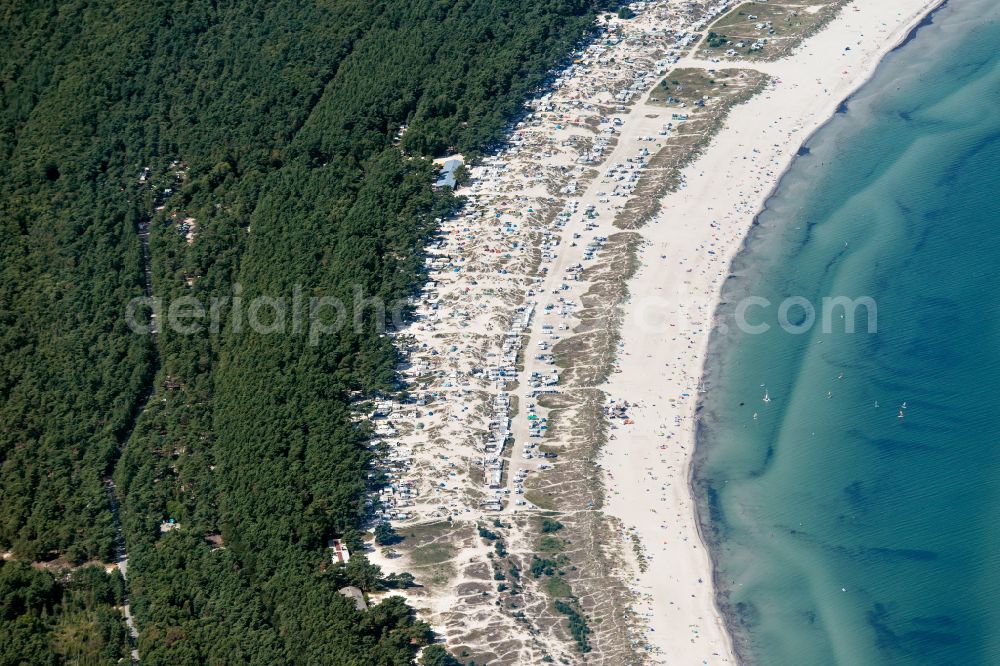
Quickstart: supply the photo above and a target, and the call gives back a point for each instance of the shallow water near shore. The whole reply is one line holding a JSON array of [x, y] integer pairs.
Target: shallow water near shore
[[846, 527]]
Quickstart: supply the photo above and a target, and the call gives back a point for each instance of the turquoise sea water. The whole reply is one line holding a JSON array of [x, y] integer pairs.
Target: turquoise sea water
[[842, 533]]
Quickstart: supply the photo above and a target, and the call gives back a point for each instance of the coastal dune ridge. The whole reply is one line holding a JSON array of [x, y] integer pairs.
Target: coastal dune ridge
[[540, 467]]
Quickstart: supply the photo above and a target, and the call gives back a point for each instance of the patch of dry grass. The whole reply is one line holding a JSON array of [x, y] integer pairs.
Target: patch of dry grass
[[708, 96], [767, 30]]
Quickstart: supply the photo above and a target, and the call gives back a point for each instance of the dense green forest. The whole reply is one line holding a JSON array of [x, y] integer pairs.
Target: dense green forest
[[268, 134], [46, 621]]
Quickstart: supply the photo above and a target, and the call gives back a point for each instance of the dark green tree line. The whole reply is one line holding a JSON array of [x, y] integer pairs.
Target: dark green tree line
[[275, 127]]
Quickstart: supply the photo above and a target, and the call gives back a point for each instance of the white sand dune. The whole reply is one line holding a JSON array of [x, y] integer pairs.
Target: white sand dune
[[472, 322]]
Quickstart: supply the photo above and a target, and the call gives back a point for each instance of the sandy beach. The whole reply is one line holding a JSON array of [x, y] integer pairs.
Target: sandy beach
[[544, 383], [689, 249]]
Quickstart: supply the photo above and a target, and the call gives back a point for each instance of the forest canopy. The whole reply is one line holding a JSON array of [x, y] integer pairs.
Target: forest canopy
[[277, 146]]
